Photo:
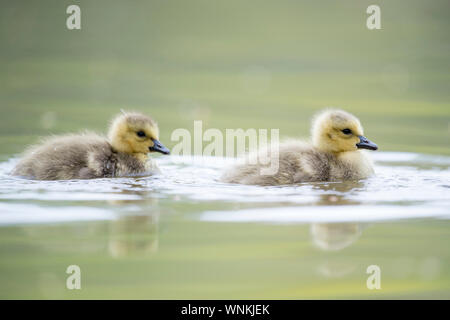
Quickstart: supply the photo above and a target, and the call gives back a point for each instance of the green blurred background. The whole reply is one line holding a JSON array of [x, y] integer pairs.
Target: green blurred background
[[250, 64]]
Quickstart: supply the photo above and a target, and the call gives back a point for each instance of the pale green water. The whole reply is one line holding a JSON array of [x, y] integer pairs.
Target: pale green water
[[232, 64], [182, 234]]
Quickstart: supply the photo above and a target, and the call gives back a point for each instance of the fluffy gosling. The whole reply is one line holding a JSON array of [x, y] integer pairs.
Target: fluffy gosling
[[124, 152], [333, 155]]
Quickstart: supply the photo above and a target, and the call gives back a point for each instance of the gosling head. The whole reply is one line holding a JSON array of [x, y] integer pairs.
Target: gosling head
[[339, 131], [135, 133]]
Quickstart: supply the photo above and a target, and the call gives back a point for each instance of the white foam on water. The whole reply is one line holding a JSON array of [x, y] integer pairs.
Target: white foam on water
[[330, 214], [13, 214], [406, 185]]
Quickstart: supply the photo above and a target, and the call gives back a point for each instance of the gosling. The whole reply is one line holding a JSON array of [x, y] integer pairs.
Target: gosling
[[124, 152], [333, 155]]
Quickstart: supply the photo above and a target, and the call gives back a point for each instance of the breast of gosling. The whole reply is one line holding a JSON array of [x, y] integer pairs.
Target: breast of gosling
[[333, 154], [123, 152]]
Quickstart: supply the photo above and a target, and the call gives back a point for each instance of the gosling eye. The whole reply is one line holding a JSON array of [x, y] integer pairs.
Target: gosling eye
[[346, 131], [140, 134]]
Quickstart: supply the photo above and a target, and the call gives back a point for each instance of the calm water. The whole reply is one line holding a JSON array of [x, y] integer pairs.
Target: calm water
[[183, 234]]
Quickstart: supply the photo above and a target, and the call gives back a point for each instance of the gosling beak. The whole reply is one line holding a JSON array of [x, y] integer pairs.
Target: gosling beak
[[365, 143], [158, 147]]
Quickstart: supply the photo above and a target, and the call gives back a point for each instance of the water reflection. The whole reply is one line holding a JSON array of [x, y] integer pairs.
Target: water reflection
[[337, 268], [133, 235], [336, 193], [334, 236]]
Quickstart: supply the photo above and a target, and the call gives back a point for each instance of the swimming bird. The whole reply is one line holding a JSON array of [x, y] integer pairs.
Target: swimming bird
[[124, 152], [333, 154]]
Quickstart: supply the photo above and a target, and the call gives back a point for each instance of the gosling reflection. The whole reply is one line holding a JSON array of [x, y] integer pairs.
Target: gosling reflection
[[337, 268], [335, 236], [134, 235], [133, 192], [337, 193]]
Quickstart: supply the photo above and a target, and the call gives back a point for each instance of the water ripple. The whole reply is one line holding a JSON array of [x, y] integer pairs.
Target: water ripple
[[406, 185]]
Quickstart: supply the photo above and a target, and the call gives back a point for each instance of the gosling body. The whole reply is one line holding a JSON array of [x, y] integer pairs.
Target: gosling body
[[331, 156], [89, 155]]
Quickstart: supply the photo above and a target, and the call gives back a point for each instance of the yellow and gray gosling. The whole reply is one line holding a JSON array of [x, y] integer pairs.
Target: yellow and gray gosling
[[124, 152], [333, 155]]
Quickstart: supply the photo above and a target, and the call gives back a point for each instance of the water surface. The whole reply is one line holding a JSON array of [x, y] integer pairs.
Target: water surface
[[184, 234]]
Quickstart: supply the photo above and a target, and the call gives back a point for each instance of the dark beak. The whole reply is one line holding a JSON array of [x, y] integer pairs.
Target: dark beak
[[159, 147], [365, 143]]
